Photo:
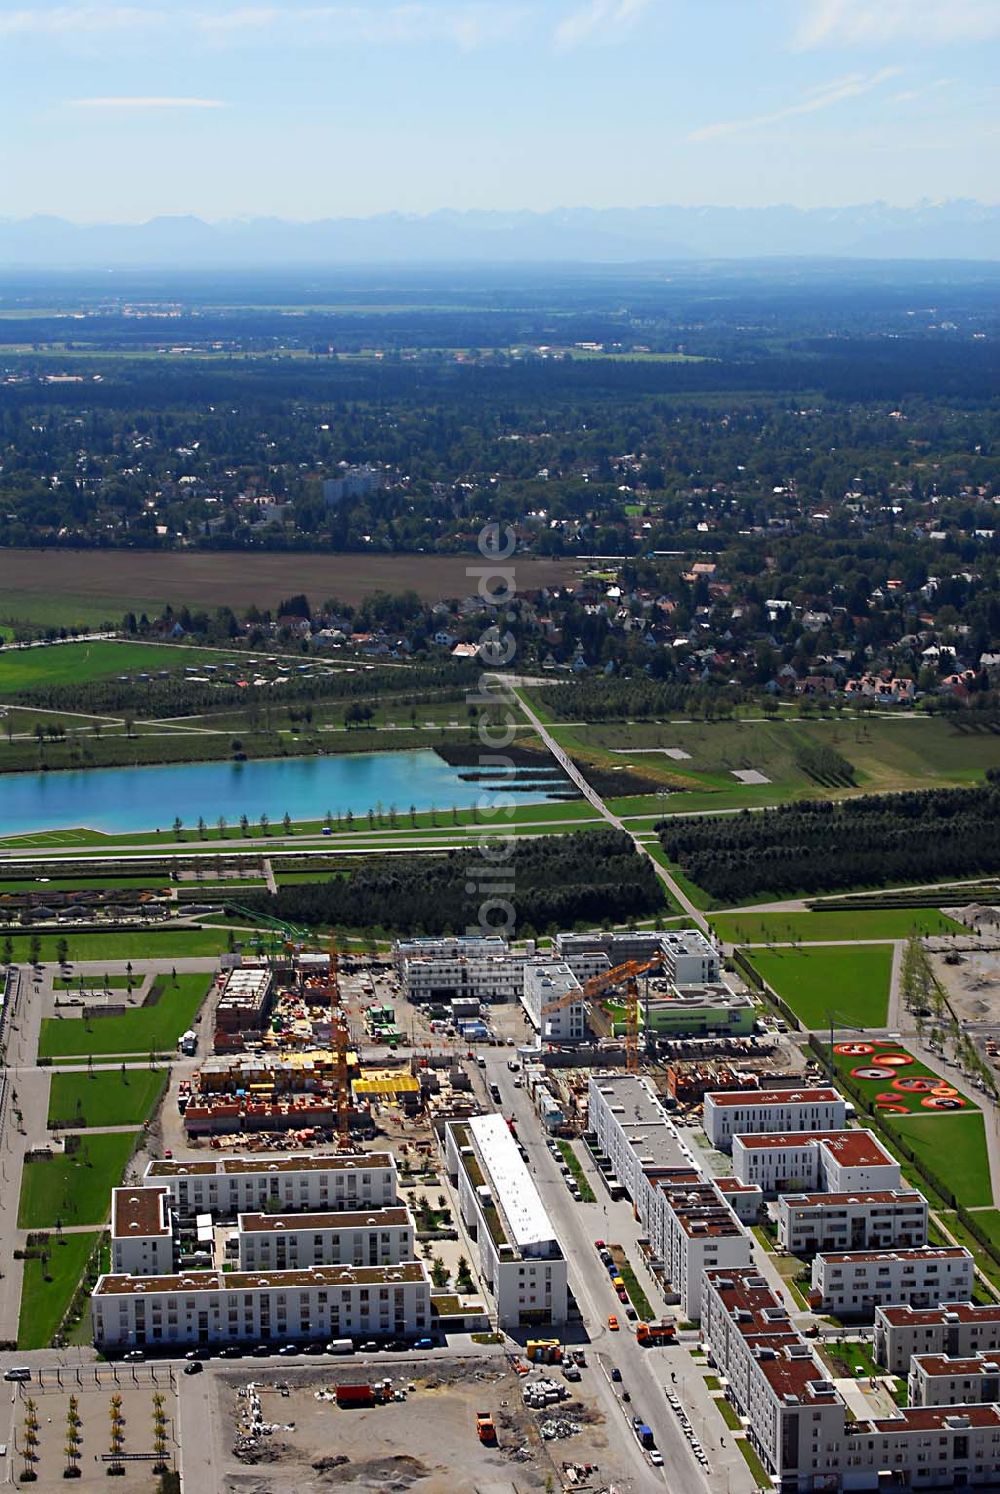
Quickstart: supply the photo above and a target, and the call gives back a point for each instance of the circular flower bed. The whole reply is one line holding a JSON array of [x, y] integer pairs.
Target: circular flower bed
[[854, 1050], [944, 1102], [870, 1071], [897, 1060], [916, 1086]]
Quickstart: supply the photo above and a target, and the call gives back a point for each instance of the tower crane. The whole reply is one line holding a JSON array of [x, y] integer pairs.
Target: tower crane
[[626, 974]]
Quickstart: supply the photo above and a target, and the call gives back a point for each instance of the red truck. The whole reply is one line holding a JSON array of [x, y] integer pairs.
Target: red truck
[[355, 1395]]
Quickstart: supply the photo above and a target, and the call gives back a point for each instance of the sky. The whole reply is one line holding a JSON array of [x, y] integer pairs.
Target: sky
[[230, 108]]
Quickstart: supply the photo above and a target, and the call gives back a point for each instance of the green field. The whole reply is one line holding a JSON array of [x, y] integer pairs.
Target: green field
[[76, 1189], [849, 980], [78, 663], [144, 1029], [105, 1097], [144, 944], [96, 983], [953, 1147], [887, 752], [44, 1303], [844, 1063], [812, 928]]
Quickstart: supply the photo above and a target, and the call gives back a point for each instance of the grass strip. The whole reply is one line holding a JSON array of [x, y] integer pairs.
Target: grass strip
[[576, 1169]]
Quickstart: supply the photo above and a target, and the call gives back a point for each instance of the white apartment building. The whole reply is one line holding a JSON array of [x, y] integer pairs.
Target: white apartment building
[[318, 1182], [958, 1329], [886, 1220], [937, 1380], [445, 970], [352, 482], [694, 1230], [853, 1283], [746, 1200], [689, 959], [543, 987], [274, 1242], [798, 1422], [142, 1234], [834, 1161], [741, 1113], [214, 1307], [519, 1256], [637, 1136]]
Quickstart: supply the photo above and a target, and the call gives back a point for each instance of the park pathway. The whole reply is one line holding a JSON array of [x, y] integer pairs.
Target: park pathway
[[593, 798]]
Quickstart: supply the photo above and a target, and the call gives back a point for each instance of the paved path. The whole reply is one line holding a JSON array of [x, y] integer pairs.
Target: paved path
[[593, 797]]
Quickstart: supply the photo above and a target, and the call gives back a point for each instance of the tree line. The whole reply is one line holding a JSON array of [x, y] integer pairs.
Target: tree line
[[558, 882], [821, 846]]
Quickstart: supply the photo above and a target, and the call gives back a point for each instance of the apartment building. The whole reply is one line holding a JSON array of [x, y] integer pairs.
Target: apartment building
[[315, 1182], [637, 1136], [142, 1232], [518, 1253], [959, 1329], [884, 1220], [693, 1230], [733, 1113], [215, 1307], [543, 988], [483, 969], [852, 1284], [376, 1237], [834, 1161], [745, 1199], [246, 1000], [689, 959], [938, 1380]]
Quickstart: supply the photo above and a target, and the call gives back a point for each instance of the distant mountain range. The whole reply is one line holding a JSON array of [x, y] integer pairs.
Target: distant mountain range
[[946, 230]]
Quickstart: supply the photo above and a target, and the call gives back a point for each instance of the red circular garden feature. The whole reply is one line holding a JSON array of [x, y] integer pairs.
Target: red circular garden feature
[[897, 1060], [854, 1050], [944, 1091], [870, 1071], [944, 1102], [888, 1096], [915, 1086], [891, 1107]]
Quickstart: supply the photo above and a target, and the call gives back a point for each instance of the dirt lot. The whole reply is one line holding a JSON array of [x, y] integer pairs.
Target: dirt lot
[[426, 1442], [973, 986], [152, 578], [94, 1409]]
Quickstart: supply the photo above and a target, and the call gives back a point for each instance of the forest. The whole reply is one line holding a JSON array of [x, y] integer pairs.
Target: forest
[[557, 882], [823, 846]]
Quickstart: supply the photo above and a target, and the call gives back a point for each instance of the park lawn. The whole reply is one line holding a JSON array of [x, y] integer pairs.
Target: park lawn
[[75, 1189], [44, 1303], [79, 663], [143, 1029], [89, 983], [105, 1097], [811, 928], [988, 1220], [145, 944], [845, 1062], [851, 981], [953, 1147], [41, 886]]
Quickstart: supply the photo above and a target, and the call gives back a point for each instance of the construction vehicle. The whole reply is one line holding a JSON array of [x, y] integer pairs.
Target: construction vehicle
[[485, 1428], [653, 1335], [627, 975]]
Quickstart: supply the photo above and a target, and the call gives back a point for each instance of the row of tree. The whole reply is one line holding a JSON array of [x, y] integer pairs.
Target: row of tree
[[812, 847]]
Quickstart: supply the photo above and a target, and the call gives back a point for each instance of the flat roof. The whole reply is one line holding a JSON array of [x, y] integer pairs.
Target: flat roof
[[926, 1317], [935, 1419], [849, 1148], [733, 1185], [725, 1099], [276, 1224], [939, 1365], [249, 1281], [921, 1253], [139, 1213], [266, 1162], [792, 1373], [700, 1211], [510, 1182], [841, 1200]]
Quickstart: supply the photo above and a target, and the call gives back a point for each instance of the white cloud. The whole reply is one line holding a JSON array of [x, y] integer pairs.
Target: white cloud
[[824, 97], [846, 23], [462, 24], [146, 102], [597, 18], [908, 95]]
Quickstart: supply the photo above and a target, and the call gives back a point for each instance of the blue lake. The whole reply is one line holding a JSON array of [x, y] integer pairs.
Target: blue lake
[[149, 798]]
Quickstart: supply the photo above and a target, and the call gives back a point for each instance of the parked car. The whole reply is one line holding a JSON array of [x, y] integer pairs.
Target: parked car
[[616, 1374], [194, 1368], [613, 1322], [135, 1356]]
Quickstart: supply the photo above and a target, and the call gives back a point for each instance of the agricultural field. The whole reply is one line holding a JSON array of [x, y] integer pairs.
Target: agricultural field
[[75, 1189], [913, 1101], [953, 1147], [112, 581], [125, 1097], [850, 980], [101, 659], [815, 927], [151, 1028], [47, 1287]]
